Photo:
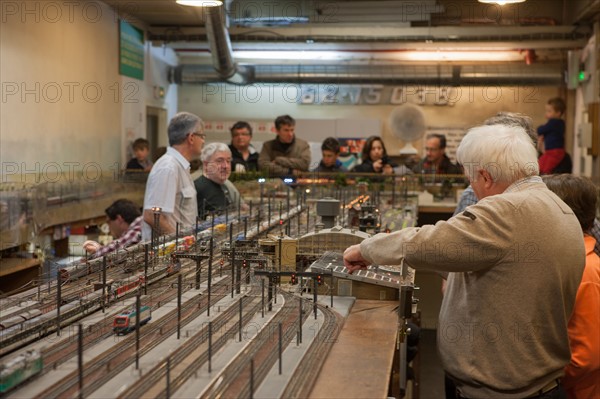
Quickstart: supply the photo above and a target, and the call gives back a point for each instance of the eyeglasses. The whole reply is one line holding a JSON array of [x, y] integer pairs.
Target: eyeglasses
[[199, 134], [222, 161], [242, 134]]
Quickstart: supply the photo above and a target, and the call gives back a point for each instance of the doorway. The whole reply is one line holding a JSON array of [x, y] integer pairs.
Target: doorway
[[156, 131]]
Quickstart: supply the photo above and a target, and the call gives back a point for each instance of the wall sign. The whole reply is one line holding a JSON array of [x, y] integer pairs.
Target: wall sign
[[131, 51], [329, 94]]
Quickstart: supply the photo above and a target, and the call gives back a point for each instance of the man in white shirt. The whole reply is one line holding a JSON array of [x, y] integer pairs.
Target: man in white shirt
[[170, 186]]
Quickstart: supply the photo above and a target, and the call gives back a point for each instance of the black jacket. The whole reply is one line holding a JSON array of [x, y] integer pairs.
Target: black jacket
[[250, 164]]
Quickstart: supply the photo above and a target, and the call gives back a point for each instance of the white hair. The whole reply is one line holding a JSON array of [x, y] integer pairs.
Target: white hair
[[209, 150], [505, 152]]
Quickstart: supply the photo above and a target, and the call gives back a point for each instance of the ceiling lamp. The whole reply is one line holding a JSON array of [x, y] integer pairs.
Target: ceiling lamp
[[200, 3], [501, 2], [417, 56]]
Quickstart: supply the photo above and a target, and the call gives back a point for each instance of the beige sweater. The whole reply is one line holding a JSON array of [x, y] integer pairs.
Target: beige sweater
[[515, 262]]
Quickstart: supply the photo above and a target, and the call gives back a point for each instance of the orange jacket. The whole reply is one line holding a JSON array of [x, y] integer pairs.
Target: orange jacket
[[582, 375]]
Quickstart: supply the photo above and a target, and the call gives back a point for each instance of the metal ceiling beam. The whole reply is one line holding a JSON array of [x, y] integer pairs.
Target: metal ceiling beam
[[584, 10], [377, 32], [504, 74]]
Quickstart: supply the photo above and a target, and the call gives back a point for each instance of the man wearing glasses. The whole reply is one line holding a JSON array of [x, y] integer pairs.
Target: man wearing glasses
[[244, 157], [170, 194], [436, 161], [215, 191]]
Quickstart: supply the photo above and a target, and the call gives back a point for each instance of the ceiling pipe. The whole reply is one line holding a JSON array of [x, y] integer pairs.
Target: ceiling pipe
[[220, 48], [479, 75]]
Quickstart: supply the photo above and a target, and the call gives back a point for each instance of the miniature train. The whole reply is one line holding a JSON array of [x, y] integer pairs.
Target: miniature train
[[18, 333], [12, 321], [20, 369], [126, 321]]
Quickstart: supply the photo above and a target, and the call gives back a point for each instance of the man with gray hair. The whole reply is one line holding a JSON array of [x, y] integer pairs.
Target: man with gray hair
[[502, 330], [170, 186], [215, 191]]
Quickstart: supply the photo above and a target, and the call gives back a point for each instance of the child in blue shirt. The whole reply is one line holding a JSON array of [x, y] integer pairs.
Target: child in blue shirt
[[553, 136], [330, 149]]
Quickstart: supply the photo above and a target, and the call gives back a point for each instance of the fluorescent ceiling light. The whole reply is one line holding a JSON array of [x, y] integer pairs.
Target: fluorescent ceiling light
[[200, 3], [462, 56], [501, 2], [401, 55], [290, 55]]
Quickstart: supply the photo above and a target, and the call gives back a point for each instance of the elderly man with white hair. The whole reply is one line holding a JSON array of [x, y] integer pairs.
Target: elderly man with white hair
[[515, 260], [214, 190]]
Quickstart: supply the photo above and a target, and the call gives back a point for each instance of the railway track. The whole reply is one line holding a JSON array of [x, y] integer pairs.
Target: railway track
[[193, 355], [102, 368], [93, 334], [302, 381], [17, 300], [43, 297], [66, 349], [234, 380], [9, 343]]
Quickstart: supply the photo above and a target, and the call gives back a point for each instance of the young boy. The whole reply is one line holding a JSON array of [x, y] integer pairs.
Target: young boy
[[330, 150], [141, 149], [553, 136]]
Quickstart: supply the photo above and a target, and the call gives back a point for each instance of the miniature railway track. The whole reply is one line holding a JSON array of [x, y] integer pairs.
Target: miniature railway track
[[15, 300], [191, 356], [300, 385], [10, 343], [105, 366], [234, 381], [64, 350], [44, 299]]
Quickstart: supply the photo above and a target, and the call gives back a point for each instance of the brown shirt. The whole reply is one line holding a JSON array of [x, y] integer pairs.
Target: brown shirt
[[278, 159]]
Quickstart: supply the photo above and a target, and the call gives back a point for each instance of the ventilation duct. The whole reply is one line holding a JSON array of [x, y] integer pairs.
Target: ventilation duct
[[501, 74], [224, 69], [220, 48]]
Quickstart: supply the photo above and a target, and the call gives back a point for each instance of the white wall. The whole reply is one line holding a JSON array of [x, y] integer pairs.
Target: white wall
[[63, 100], [59, 81], [63, 104], [158, 62]]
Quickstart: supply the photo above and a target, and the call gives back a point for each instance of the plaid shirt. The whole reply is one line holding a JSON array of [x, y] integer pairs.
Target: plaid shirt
[[595, 232], [467, 198], [133, 235]]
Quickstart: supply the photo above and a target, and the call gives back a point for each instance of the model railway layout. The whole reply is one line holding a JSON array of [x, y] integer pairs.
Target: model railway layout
[[199, 286]]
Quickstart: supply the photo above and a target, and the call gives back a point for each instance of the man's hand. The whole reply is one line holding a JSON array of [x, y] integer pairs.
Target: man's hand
[[91, 246], [353, 259]]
